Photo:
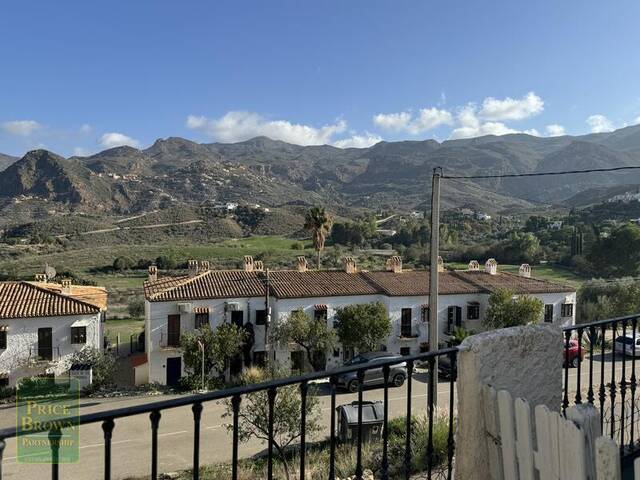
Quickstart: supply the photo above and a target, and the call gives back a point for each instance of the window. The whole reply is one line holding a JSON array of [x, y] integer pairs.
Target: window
[[173, 331], [261, 317], [335, 324], [4, 382], [405, 351], [473, 311], [202, 319], [424, 314], [567, 309], [336, 352], [78, 334], [548, 313], [3, 339], [454, 317], [405, 322], [320, 314]]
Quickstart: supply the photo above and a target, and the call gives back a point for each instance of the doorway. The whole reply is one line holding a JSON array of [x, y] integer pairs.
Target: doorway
[[174, 371], [45, 343]]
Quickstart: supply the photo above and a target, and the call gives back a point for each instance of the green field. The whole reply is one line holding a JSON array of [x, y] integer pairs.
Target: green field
[[123, 327], [274, 249]]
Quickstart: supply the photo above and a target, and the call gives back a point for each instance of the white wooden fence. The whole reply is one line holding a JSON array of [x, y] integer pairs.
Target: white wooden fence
[[557, 448]]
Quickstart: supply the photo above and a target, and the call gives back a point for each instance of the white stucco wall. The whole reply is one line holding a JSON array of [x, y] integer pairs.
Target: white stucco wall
[[22, 337], [156, 314]]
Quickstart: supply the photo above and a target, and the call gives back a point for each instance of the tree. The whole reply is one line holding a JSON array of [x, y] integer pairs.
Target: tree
[[318, 222], [314, 336], [136, 307], [122, 263], [619, 254], [220, 346], [363, 327], [508, 310], [165, 262], [253, 414]]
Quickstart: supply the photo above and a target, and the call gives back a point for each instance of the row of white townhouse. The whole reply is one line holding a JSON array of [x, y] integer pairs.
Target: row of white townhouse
[[42, 324], [175, 305]]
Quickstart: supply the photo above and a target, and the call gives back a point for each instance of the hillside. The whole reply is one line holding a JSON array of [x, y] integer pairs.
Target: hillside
[[6, 160], [175, 172]]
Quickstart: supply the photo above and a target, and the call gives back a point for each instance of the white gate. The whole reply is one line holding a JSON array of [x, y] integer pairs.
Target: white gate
[[558, 448]]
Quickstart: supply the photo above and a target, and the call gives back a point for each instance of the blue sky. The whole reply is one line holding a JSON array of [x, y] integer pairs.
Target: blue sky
[[81, 76]]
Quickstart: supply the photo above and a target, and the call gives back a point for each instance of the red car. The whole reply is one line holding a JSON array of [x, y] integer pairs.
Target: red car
[[573, 355]]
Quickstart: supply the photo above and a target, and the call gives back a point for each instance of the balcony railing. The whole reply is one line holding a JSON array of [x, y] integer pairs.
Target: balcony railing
[[169, 339], [44, 354], [236, 395], [602, 372]]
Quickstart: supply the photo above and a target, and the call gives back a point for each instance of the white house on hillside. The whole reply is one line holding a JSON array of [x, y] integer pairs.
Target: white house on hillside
[[178, 304], [42, 324]]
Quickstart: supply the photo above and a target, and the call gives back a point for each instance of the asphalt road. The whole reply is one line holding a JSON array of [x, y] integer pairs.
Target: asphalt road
[[131, 450]]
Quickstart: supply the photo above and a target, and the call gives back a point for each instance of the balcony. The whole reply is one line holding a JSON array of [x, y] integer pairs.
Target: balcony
[[169, 340], [43, 355]]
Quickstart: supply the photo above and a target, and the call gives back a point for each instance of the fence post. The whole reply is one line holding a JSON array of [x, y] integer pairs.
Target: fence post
[[587, 417], [502, 359], [607, 459]]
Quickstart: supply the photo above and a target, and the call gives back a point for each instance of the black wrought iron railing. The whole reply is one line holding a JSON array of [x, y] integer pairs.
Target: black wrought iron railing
[[428, 361], [600, 369]]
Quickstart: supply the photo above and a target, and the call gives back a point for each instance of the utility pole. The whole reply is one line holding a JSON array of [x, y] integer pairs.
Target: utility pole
[[267, 323], [433, 279]]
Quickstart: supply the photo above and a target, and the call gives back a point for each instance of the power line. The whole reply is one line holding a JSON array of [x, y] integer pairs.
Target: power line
[[543, 174]]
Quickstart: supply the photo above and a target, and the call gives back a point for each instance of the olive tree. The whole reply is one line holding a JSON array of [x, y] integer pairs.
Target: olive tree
[[363, 327], [506, 309], [253, 413], [313, 336]]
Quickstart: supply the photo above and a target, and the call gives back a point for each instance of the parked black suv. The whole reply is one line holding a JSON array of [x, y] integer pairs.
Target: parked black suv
[[373, 376]]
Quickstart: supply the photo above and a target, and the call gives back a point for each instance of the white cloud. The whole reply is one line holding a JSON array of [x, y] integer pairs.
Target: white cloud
[[636, 121], [237, 126], [555, 130], [115, 139], [532, 131], [20, 127], [471, 126], [599, 124], [426, 119], [510, 108], [86, 128], [358, 141]]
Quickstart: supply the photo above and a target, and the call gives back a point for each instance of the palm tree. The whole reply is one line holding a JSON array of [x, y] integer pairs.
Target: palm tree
[[318, 222]]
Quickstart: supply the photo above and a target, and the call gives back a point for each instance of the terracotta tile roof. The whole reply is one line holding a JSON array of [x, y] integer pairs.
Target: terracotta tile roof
[[86, 293], [410, 283], [26, 300], [209, 284], [310, 284], [295, 284]]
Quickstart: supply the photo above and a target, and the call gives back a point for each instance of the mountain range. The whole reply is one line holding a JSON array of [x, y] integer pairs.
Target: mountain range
[[176, 171]]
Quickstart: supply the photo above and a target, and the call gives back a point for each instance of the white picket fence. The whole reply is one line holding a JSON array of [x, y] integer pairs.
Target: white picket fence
[[557, 448]]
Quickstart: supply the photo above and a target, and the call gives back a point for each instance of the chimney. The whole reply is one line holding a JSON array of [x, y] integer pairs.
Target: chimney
[[394, 264], [525, 270], [474, 266], [258, 266], [41, 277], [302, 264], [440, 264], [66, 286], [205, 266], [248, 263], [350, 265], [193, 268], [491, 266], [153, 273]]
